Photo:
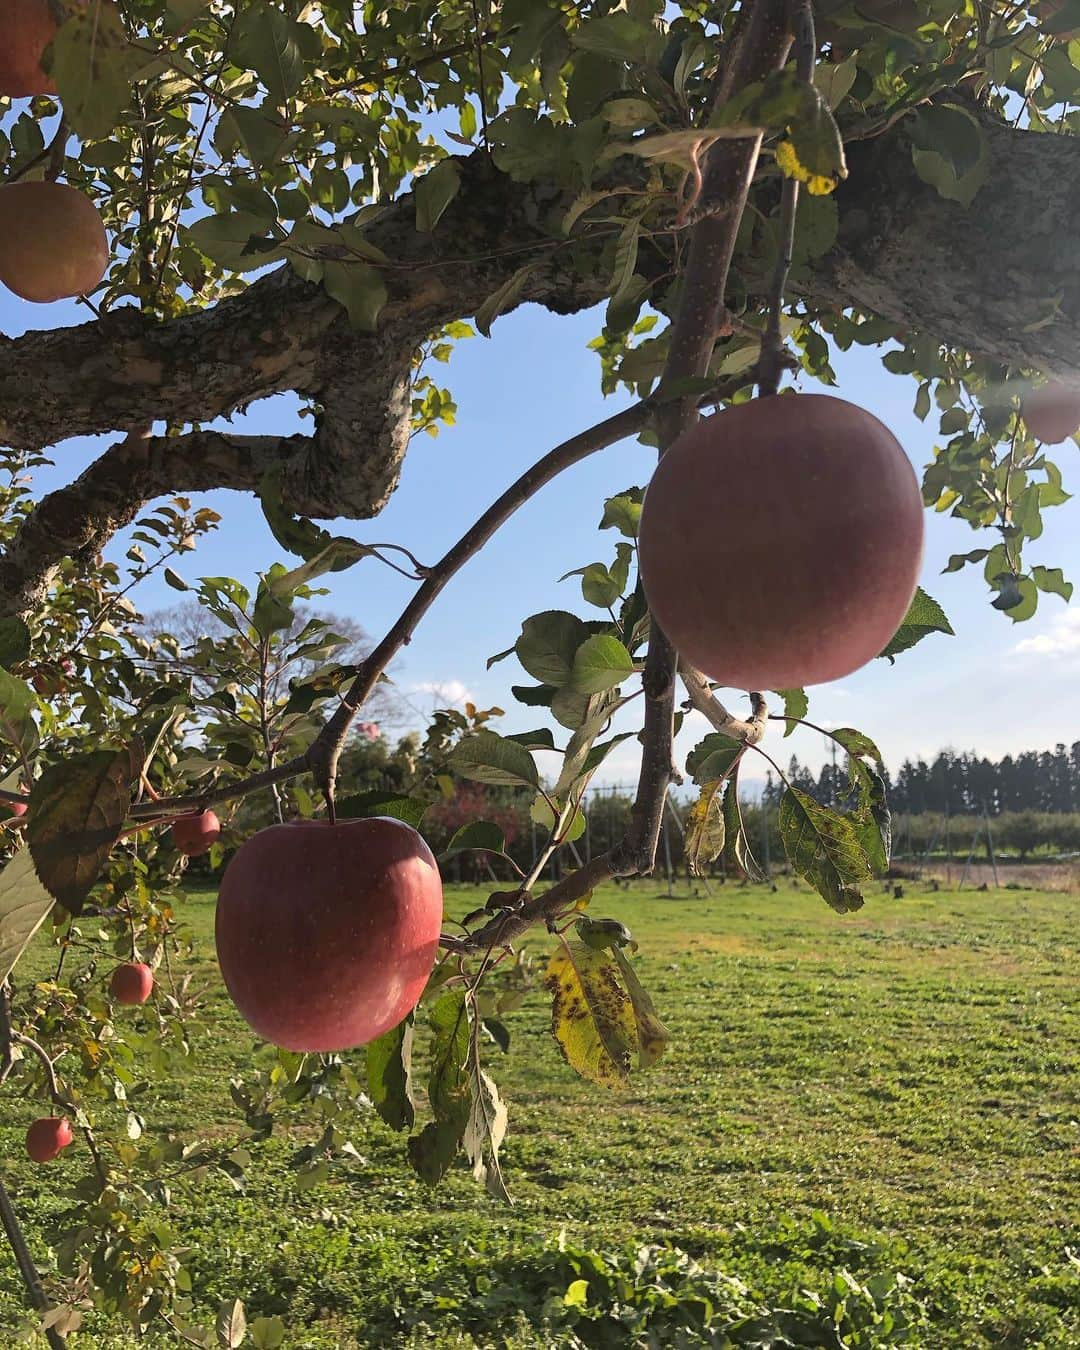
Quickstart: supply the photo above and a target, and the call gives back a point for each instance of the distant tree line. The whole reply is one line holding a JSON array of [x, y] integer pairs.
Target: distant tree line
[[958, 784]]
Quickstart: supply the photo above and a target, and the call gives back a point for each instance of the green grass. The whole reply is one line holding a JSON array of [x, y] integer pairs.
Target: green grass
[[908, 1073]]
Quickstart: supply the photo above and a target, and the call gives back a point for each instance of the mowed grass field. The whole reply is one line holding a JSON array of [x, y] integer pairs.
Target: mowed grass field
[[896, 1090]]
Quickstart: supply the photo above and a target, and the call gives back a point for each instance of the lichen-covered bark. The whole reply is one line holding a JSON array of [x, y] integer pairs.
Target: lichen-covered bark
[[1000, 277]]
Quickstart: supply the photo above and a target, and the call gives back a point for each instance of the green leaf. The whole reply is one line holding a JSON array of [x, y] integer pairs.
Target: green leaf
[[434, 192], [601, 933], [501, 300], [269, 42], [623, 280], [231, 1324], [25, 904], [338, 554], [260, 132], [835, 79], [380, 803], [705, 827], [14, 641], [857, 743], [433, 1150], [936, 170], [548, 643], [796, 706], [713, 757], [592, 1017], [959, 560], [1052, 580], [18, 702], [272, 612], [823, 847], [489, 758], [90, 65], [360, 289], [653, 1036], [873, 820], [174, 580], [478, 834], [950, 132], [600, 663], [228, 240], [389, 1075], [623, 512], [267, 1333], [924, 616], [533, 695], [77, 810], [620, 36]]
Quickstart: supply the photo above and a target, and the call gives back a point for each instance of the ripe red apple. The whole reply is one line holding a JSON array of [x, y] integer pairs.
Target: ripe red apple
[[17, 808], [1052, 412], [26, 29], [781, 540], [132, 983], [48, 1137], [194, 835], [52, 241], [326, 934]]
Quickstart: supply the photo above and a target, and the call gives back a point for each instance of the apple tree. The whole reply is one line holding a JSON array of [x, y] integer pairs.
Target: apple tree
[[251, 198]]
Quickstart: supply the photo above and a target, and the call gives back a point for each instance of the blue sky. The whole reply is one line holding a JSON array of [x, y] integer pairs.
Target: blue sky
[[994, 688]]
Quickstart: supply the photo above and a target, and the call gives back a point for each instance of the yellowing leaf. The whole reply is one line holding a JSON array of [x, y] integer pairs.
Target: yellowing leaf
[[653, 1036], [592, 1017], [788, 161]]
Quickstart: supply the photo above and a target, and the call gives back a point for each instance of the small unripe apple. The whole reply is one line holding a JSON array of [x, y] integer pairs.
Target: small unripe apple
[[195, 835], [1052, 412], [132, 983], [326, 934], [48, 1137], [781, 540], [52, 242]]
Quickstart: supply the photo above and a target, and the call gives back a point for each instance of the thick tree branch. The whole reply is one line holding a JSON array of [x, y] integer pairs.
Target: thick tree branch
[[903, 253]]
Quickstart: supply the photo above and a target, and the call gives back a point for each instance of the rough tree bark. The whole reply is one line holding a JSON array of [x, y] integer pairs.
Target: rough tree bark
[[983, 277]]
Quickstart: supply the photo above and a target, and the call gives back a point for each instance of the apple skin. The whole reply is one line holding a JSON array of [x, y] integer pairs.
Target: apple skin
[[195, 835], [48, 1137], [26, 29], [781, 540], [1051, 412], [132, 983], [17, 808], [326, 934], [52, 241]]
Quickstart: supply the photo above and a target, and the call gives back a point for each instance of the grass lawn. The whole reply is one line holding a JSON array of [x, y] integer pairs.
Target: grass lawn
[[891, 1091]]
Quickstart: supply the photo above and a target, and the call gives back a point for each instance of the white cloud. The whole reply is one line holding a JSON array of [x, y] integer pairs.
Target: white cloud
[[1062, 639], [445, 693]]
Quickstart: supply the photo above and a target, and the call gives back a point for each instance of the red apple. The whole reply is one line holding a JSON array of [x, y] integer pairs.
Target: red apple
[[26, 29], [132, 983], [1052, 412], [48, 1137], [780, 541], [52, 242], [17, 808], [326, 934], [194, 835]]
